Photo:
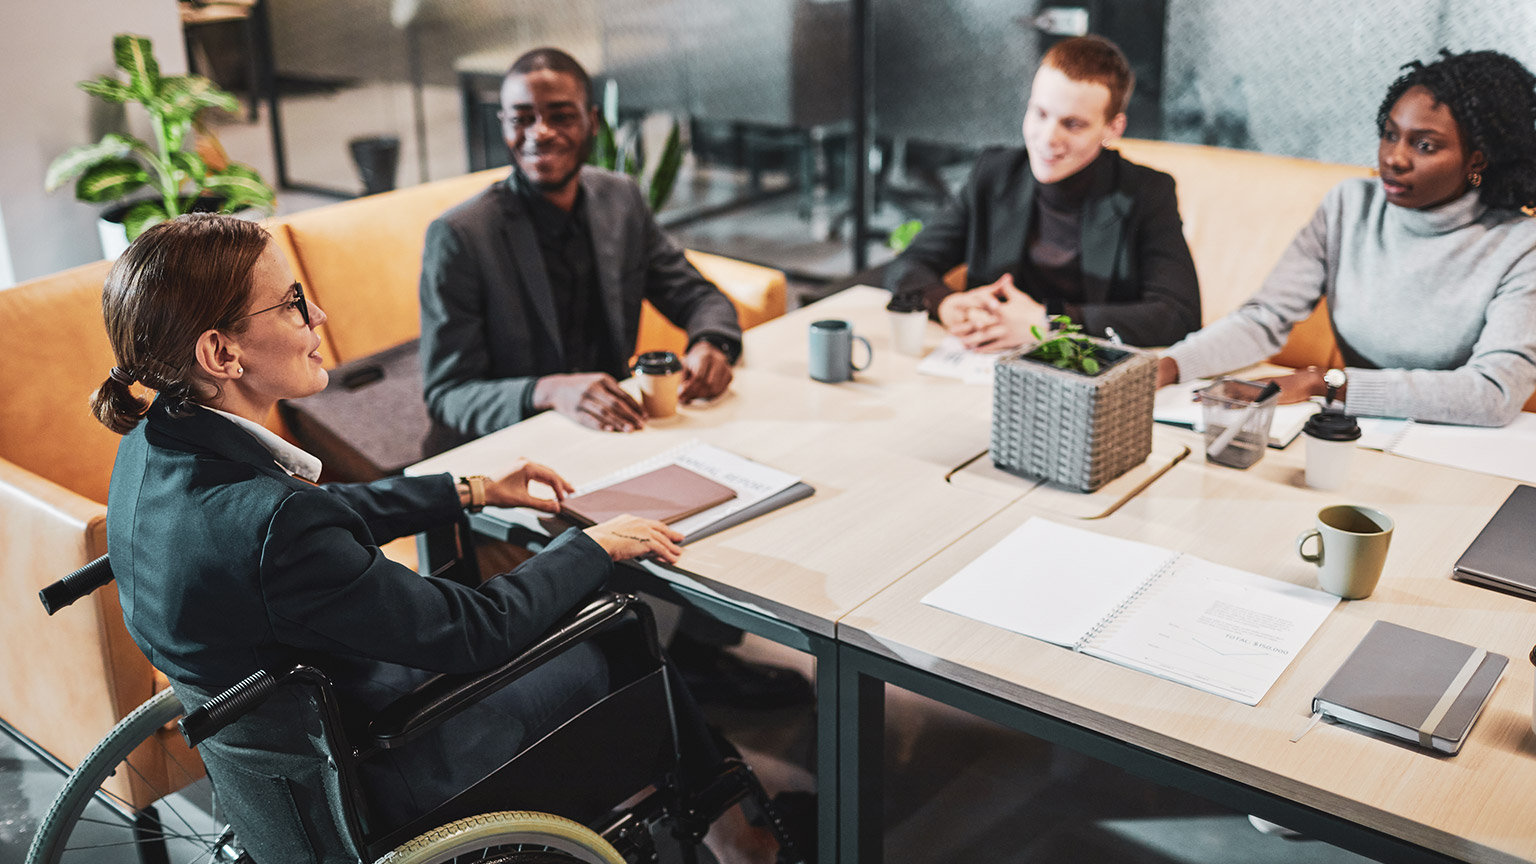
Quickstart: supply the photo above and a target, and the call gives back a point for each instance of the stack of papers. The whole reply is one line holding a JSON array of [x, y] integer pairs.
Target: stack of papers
[[951, 359], [1503, 451]]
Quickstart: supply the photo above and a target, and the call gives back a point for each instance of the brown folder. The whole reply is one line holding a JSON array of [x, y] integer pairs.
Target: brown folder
[[666, 494]]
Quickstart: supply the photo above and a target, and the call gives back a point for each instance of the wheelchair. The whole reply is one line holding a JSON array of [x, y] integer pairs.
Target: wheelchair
[[555, 801]]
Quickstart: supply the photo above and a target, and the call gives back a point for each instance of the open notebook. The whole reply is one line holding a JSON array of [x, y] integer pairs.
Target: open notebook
[[1504, 451], [1215, 628]]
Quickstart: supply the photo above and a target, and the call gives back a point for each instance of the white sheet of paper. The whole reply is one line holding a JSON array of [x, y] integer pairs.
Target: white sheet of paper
[[1049, 581], [1507, 451], [1217, 628], [951, 360]]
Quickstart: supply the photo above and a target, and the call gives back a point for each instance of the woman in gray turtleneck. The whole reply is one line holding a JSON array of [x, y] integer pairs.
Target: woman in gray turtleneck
[[1429, 271]]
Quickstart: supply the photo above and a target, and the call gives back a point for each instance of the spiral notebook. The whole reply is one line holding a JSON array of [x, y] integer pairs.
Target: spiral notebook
[[1202, 624]]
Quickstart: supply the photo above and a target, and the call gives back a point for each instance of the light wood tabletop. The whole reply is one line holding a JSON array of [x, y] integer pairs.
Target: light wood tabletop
[[876, 449], [1473, 806]]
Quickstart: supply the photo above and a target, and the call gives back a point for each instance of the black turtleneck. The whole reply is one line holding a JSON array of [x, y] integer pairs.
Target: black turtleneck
[[1051, 269]]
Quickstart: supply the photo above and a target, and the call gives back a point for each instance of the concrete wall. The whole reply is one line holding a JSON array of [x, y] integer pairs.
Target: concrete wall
[[1305, 77], [44, 49]]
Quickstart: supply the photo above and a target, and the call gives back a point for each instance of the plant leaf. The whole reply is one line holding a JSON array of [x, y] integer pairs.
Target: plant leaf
[[106, 87], [191, 165], [241, 186], [141, 216], [74, 161], [1034, 330], [110, 180], [191, 93], [666, 170], [135, 55], [604, 152], [1090, 365], [902, 235]]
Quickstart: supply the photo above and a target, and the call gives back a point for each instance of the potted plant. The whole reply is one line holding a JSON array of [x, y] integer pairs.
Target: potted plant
[[616, 146], [120, 166], [1072, 409]]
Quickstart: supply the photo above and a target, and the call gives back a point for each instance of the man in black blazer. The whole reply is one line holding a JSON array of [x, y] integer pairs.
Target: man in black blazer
[[531, 290], [1062, 226]]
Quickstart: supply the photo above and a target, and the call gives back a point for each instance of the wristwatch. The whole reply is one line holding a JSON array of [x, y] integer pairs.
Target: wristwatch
[[476, 484], [1334, 379]]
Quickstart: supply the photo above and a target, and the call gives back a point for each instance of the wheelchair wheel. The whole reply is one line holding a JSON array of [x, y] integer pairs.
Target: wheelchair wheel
[[512, 837], [91, 814]]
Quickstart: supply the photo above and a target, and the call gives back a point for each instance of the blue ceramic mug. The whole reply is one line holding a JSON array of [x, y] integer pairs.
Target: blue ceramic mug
[[831, 357]]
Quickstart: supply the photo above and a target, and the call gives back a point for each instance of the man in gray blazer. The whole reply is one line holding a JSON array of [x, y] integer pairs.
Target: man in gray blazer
[[531, 290], [530, 301]]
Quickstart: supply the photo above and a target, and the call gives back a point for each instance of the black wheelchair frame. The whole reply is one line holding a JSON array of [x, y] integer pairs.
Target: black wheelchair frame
[[581, 783]]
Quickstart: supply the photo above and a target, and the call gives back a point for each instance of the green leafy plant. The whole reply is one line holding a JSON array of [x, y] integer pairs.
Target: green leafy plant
[[120, 165], [618, 151], [902, 235], [1068, 348]]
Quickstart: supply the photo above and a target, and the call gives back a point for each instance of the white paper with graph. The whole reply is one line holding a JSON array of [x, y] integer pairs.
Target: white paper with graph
[[1212, 627]]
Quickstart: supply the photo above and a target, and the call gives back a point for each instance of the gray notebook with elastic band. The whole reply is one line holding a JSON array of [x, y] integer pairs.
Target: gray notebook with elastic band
[[1422, 688], [1504, 555]]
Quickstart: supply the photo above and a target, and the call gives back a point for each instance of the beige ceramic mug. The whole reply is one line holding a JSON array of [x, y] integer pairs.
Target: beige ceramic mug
[[1351, 549]]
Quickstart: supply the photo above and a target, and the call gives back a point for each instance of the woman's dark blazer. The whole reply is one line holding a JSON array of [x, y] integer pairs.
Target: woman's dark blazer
[[226, 564], [1138, 276]]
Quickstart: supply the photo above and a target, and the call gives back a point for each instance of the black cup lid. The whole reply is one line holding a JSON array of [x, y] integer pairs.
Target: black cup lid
[[1332, 426], [906, 302], [658, 363]]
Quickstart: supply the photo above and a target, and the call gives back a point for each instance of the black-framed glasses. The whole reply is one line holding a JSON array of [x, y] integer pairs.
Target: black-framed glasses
[[298, 302]]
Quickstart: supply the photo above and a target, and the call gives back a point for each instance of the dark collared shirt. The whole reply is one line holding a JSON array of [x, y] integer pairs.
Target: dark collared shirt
[[565, 243]]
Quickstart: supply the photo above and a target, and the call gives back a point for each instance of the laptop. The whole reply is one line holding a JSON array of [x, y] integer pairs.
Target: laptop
[[1504, 555]]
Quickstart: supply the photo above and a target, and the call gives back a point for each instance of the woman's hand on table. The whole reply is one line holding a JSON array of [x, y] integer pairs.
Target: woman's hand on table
[[626, 537], [514, 489]]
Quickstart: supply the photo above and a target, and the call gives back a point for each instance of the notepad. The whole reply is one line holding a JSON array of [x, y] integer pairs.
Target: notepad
[[1422, 688], [1503, 451], [1177, 616], [1175, 405], [1504, 554], [666, 494]]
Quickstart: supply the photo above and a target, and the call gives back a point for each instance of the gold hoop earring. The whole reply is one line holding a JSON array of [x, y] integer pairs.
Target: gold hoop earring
[[1475, 178]]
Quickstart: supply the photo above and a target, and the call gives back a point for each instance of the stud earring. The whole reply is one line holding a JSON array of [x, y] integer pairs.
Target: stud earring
[[239, 370], [1475, 178]]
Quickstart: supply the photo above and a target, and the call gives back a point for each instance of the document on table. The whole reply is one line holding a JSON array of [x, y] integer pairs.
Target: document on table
[[951, 359], [1205, 625], [1505, 451], [753, 482]]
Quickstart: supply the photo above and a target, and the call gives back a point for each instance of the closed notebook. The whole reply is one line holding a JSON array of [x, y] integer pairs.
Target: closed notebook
[[667, 494], [1422, 688], [1504, 554]]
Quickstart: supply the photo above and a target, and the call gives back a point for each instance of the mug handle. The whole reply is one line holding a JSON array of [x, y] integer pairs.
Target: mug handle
[[869, 355], [1301, 541]]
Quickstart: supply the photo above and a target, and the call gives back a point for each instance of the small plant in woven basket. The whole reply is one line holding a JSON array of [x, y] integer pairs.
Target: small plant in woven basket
[[1070, 348]]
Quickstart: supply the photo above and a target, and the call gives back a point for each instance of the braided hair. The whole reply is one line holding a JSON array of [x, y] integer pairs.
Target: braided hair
[[1493, 100]]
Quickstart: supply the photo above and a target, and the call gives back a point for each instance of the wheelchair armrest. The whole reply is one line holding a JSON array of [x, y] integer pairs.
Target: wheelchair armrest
[[443, 696], [232, 704], [76, 585]]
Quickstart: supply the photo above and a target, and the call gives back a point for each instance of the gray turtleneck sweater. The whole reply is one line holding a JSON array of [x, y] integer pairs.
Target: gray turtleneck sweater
[[1434, 310]]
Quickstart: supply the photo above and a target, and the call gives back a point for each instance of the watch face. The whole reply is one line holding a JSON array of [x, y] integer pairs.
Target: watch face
[[1334, 378]]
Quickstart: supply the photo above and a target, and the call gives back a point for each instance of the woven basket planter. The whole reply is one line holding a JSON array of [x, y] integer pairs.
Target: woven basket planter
[[1080, 431]]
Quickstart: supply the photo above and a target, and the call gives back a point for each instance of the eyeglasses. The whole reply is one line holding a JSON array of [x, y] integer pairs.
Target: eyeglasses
[[298, 302]]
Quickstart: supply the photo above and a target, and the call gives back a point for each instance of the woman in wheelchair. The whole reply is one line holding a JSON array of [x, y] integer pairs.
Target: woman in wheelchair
[[230, 559]]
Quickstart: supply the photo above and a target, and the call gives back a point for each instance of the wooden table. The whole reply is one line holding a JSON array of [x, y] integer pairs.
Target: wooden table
[[1371, 794], [878, 451]]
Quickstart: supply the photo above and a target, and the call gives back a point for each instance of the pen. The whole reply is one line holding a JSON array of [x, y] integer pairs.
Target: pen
[[1236, 426]]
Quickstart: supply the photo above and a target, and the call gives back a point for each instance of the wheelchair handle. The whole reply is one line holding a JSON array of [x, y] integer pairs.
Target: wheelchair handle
[[227, 707], [76, 585]]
